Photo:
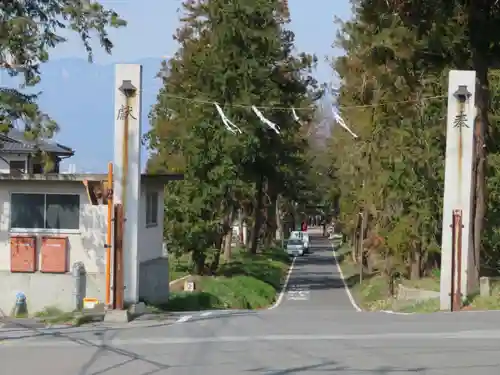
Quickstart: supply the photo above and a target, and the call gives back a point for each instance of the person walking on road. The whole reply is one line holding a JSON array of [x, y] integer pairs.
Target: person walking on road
[[304, 226]]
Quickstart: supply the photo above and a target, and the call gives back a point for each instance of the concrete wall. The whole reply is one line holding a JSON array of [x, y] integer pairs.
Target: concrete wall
[[153, 281], [153, 268], [86, 245], [414, 294], [150, 237]]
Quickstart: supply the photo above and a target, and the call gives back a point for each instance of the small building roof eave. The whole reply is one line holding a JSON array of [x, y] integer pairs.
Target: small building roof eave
[[150, 179]]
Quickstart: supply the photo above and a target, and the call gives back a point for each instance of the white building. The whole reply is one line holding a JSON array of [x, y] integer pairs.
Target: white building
[[51, 222]]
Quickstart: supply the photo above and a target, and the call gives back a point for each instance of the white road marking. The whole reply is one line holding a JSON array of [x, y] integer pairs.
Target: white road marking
[[184, 318], [346, 288], [425, 336], [298, 293], [283, 290], [207, 313], [395, 312], [349, 294]]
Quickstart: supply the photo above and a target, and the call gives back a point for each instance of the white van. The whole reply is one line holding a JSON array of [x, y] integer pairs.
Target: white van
[[303, 236], [295, 247]]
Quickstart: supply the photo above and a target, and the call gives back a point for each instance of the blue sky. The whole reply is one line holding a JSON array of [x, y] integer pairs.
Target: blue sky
[[151, 24]]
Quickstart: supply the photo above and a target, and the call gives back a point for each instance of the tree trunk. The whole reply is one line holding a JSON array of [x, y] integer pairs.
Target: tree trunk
[[272, 219], [478, 206], [415, 263], [228, 239], [240, 228], [279, 221], [355, 240], [479, 18], [227, 247], [354, 252], [214, 266], [257, 215], [362, 236], [198, 257]]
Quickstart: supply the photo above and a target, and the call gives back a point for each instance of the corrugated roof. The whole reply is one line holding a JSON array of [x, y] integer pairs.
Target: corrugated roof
[[15, 142]]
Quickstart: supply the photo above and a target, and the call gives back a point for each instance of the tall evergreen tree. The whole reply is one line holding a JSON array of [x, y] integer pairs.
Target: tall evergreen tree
[[387, 175], [401, 51], [237, 54]]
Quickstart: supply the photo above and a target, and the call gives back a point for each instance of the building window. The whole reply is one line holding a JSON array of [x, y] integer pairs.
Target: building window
[[44, 211], [17, 167], [151, 208]]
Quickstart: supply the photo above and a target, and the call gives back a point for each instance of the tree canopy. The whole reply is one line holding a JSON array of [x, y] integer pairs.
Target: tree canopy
[[385, 187], [238, 54], [28, 31], [393, 91]]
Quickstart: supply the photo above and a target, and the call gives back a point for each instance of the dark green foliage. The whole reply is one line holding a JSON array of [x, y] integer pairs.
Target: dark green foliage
[[398, 53], [237, 54]]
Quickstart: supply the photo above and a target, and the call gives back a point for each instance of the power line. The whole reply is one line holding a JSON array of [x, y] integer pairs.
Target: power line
[[278, 108]]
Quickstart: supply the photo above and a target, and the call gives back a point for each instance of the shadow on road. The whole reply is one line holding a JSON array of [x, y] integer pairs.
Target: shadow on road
[[34, 332], [323, 258], [332, 367], [317, 271], [102, 348], [317, 283]]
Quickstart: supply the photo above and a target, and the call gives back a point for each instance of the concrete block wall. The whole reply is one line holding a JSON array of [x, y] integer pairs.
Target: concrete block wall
[[43, 290], [154, 281]]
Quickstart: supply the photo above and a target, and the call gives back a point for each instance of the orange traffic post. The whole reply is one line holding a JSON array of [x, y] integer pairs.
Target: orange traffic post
[[109, 233]]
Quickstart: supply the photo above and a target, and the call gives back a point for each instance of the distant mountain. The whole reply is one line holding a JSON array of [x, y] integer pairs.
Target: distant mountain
[[79, 96]]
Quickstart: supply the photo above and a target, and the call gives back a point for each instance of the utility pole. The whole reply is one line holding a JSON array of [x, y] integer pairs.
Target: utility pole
[[456, 250], [126, 180]]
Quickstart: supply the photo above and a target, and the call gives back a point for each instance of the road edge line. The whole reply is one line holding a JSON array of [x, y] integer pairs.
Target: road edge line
[[346, 288], [396, 312], [350, 296], [284, 288]]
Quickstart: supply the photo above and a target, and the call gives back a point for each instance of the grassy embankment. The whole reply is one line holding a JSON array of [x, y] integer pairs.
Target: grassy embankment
[[372, 292], [246, 282]]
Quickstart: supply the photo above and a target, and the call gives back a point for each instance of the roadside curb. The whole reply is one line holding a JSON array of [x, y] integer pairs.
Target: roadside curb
[[179, 279], [281, 294]]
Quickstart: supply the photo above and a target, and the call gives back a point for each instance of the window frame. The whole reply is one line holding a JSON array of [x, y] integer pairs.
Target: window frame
[[43, 230], [148, 209]]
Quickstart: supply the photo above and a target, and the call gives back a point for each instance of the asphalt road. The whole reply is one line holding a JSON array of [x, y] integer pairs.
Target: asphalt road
[[314, 330]]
